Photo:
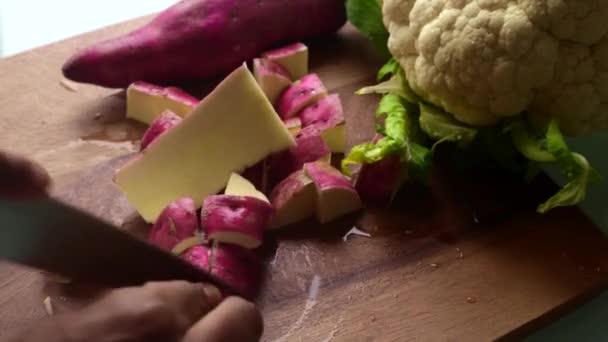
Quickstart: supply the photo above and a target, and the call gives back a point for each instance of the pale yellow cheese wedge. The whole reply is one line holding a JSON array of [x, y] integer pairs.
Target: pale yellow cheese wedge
[[239, 186], [233, 128]]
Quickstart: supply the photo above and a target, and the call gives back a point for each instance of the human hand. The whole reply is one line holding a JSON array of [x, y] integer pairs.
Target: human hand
[[20, 178], [159, 311]]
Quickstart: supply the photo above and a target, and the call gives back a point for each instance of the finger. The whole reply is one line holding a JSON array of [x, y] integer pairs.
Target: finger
[[160, 311], [235, 319], [188, 302], [20, 178]]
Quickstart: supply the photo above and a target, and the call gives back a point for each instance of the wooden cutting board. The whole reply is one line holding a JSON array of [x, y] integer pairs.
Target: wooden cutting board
[[464, 259]]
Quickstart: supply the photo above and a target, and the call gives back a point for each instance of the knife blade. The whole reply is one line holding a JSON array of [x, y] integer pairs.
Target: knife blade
[[47, 234]]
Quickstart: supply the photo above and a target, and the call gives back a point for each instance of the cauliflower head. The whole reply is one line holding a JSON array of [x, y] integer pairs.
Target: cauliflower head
[[486, 60]]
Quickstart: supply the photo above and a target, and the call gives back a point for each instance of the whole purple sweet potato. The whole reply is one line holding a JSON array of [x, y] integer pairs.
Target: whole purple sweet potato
[[198, 39]]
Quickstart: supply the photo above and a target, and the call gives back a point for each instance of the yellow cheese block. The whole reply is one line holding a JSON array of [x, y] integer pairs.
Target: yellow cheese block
[[233, 128], [239, 186]]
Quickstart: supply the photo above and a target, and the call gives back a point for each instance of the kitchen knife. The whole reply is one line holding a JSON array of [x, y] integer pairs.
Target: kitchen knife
[[52, 236]]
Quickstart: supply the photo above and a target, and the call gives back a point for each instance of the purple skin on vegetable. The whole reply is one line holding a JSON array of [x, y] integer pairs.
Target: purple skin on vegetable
[[293, 199], [301, 94], [239, 220], [177, 222], [326, 177], [336, 196], [265, 66], [161, 125], [198, 256], [202, 39], [375, 192], [323, 114], [310, 147], [172, 93], [294, 57], [272, 77], [388, 169], [236, 266], [287, 187], [285, 51]]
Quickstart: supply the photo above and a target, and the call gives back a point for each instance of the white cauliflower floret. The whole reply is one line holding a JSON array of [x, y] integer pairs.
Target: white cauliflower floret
[[485, 60]]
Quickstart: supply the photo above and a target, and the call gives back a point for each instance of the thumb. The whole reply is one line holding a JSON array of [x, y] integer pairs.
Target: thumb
[[233, 320]]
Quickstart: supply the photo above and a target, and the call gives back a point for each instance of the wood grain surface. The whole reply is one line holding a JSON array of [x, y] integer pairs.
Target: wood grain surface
[[466, 259]]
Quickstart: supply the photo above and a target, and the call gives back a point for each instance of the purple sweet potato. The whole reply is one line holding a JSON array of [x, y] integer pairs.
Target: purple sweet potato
[[236, 266], [293, 199], [237, 220], [171, 93], [198, 256], [293, 57], [263, 66], [178, 221], [145, 101], [327, 116], [310, 147], [323, 114], [336, 195], [200, 39], [301, 94], [372, 191], [162, 124], [272, 77]]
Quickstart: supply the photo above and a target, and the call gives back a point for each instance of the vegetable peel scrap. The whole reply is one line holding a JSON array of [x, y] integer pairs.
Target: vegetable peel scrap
[[48, 306]]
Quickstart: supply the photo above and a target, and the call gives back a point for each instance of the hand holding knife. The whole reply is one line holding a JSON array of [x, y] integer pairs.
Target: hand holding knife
[[173, 305], [44, 233]]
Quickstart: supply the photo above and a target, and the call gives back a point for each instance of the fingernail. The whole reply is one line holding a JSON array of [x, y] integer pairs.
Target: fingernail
[[213, 294]]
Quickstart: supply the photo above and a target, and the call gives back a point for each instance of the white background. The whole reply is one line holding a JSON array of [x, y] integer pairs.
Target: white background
[[25, 24]]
